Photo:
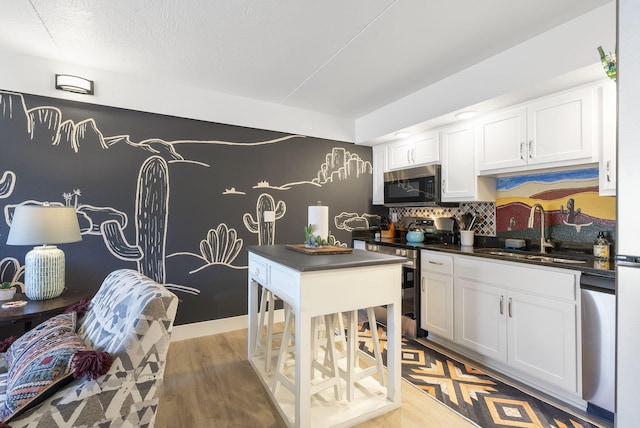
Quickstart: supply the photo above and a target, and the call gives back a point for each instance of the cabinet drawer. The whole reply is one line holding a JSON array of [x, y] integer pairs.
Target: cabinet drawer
[[259, 269], [548, 282], [437, 262]]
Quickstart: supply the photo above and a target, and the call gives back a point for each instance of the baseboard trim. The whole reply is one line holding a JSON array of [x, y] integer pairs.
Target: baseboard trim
[[224, 325]]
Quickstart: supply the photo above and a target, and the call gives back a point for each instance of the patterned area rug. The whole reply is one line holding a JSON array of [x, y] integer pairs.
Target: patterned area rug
[[468, 391]]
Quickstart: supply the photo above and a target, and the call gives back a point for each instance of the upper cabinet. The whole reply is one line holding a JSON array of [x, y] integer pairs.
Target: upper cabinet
[[551, 131], [379, 156], [609, 140], [460, 182], [419, 150]]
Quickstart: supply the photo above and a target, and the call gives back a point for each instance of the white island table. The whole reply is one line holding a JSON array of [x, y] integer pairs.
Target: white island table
[[324, 284]]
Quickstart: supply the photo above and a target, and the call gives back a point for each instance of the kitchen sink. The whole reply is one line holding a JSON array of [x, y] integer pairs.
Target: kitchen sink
[[523, 255]]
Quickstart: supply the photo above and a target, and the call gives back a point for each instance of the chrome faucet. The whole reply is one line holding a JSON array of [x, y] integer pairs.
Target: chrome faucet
[[543, 241]]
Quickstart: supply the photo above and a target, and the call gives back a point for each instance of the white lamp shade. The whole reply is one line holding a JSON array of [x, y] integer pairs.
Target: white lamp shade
[[36, 225]]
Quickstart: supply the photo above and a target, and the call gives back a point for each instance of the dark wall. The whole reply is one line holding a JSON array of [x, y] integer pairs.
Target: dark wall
[[177, 199]]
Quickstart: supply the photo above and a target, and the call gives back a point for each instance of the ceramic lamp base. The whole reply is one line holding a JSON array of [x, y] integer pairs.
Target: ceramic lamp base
[[44, 273]]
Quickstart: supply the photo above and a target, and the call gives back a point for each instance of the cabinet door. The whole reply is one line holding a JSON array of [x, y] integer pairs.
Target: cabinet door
[[399, 154], [459, 178], [559, 127], [379, 167], [480, 318], [426, 148], [436, 304], [542, 338], [609, 139], [502, 140]]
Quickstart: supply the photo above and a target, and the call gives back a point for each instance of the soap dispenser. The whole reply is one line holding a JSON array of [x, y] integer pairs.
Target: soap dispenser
[[601, 247]]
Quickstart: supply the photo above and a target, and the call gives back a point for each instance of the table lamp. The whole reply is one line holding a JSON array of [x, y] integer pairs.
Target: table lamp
[[44, 265]]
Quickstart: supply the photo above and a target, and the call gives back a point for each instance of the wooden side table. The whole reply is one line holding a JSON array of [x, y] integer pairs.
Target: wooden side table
[[39, 309]]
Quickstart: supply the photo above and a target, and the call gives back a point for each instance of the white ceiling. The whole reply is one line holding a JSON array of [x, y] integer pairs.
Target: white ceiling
[[345, 58]]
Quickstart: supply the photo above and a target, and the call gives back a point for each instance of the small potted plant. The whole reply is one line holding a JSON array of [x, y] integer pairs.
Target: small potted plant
[[7, 291]]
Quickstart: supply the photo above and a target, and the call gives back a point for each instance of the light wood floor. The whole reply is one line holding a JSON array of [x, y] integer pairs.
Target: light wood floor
[[208, 382]]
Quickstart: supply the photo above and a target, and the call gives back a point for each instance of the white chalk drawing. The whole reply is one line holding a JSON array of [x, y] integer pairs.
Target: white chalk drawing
[[148, 251], [265, 185], [49, 120], [266, 230], [339, 165], [351, 221], [333, 241], [220, 247], [7, 183], [11, 271], [233, 191], [151, 211]]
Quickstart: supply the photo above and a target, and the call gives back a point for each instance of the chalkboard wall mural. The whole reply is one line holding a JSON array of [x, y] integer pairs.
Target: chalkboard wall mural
[[177, 199]]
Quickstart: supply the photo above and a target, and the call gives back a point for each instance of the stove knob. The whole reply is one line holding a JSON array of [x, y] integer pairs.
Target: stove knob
[[401, 252]]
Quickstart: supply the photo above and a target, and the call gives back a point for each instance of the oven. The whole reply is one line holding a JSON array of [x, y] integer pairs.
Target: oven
[[410, 286]]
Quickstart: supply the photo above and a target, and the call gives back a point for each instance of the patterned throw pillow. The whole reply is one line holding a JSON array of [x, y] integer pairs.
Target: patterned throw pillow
[[60, 324], [38, 372]]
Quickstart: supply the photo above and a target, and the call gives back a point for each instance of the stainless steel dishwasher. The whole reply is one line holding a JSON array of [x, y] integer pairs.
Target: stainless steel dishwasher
[[598, 344]]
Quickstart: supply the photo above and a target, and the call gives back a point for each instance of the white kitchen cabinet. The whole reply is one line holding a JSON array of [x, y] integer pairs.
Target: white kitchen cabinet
[[379, 157], [480, 322], [552, 131], [503, 139], [523, 317], [609, 140], [422, 149], [436, 293], [542, 339], [460, 182]]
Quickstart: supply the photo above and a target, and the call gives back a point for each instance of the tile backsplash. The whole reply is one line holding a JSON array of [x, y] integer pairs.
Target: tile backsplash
[[574, 210], [485, 214]]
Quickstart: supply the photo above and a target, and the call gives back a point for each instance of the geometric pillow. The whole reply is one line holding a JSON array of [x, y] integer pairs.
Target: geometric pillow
[[41, 370], [60, 324]]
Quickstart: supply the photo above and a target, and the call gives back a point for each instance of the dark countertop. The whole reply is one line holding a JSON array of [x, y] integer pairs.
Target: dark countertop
[[312, 262], [590, 266]]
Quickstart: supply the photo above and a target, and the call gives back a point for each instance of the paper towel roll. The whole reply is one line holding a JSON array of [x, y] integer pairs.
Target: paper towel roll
[[319, 220]]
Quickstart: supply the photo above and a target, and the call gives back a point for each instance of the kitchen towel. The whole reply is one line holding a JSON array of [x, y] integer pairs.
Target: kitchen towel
[[319, 220]]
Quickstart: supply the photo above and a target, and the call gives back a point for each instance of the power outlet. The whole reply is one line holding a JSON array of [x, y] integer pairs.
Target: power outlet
[[394, 217], [270, 216]]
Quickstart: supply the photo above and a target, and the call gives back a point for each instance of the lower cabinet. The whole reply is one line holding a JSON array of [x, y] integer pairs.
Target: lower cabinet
[[542, 338], [436, 294], [533, 334], [480, 322], [523, 318]]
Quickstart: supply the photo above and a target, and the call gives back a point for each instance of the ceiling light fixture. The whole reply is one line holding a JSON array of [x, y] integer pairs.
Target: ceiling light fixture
[[75, 84], [466, 114], [402, 134]]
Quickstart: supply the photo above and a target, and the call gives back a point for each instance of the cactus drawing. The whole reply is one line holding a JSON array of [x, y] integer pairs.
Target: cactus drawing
[[152, 203], [222, 245], [7, 182], [11, 271], [266, 230]]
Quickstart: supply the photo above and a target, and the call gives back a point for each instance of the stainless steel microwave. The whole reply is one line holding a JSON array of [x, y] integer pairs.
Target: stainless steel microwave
[[413, 187]]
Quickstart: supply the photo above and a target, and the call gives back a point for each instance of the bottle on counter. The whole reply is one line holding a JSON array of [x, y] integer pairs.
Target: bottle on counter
[[601, 247]]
